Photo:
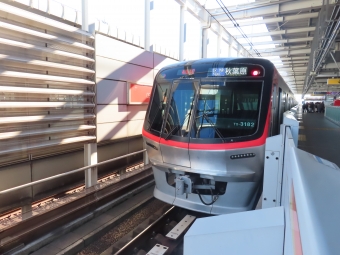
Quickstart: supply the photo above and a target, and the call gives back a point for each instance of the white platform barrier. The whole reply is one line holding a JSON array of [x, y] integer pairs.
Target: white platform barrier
[[294, 109], [301, 208]]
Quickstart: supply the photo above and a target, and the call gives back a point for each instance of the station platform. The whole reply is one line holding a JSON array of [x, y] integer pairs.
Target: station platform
[[319, 136]]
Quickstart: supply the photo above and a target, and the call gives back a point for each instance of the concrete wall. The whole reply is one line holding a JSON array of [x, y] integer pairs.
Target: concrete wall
[[118, 63]]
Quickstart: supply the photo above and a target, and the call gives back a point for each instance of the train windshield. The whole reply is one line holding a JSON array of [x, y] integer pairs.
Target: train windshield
[[158, 105], [227, 109], [180, 108], [210, 108]]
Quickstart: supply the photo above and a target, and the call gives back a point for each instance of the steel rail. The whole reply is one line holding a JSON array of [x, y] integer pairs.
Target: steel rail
[[67, 173], [33, 228], [146, 232], [158, 232]]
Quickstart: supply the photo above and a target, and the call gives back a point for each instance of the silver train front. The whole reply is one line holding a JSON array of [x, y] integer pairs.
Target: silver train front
[[240, 171]]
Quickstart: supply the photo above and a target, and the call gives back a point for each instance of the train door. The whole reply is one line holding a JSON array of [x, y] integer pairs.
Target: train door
[[174, 140], [282, 104], [275, 111]]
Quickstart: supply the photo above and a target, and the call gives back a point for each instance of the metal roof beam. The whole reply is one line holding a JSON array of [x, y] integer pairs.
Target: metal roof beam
[[283, 48], [293, 40], [322, 79], [287, 53], [291, 63], [280, 32], [294, 58], [293, 73], [273, 9], [290, 73], [323, 75], [289, 66], [301, 68], [194, 8], [296, 83], [271, 20], [331, 66], [288, 59], [293, 76], [290, 82], [293, 79]]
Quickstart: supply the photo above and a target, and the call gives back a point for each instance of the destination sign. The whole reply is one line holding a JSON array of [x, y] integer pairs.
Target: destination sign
[[229, 71]]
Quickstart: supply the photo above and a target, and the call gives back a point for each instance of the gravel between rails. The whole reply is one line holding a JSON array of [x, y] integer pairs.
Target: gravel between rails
[[122, 229]]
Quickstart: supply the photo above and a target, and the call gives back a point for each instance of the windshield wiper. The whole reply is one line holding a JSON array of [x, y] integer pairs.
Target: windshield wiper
[[188, 115], [206, 116], [186, 122], [174, 129]]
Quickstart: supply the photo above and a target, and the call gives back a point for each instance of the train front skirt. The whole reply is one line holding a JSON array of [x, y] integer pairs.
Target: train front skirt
[[238, 196]]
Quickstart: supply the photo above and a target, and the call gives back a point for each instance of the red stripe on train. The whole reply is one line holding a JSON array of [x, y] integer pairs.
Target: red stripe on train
[[150, 136], [220, 146]]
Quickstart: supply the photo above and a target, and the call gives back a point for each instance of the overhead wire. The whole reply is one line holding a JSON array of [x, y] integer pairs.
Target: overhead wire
[[221, 25], [237, 26]]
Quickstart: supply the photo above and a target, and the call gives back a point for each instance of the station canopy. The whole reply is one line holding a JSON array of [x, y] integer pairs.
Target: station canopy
[[299, 36]]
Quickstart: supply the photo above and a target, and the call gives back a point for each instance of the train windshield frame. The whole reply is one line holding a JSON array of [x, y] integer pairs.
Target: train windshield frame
[[206, 110], [205, 103]]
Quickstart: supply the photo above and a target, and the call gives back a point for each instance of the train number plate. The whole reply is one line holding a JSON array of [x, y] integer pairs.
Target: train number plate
[[181, 227], [158, 250]]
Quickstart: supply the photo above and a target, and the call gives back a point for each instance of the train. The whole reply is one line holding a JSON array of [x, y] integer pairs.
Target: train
[[205, 131]]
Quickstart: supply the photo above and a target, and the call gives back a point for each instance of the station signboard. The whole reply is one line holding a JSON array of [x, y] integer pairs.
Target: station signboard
[[333, 81], [138, 94], [332, 93], [314, 98], [317, 93]]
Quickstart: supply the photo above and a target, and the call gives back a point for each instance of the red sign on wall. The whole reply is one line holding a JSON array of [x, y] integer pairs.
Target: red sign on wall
[[139, 94]]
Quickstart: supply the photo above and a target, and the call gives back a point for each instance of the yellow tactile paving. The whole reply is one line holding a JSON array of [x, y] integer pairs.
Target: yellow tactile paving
[[302, 138]]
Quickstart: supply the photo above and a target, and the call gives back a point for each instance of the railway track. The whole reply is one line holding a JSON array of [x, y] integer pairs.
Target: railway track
[[17, 231], [161, 233]]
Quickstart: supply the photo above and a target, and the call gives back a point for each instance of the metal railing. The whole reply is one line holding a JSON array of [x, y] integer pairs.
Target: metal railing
[[54, 7], [68, 173]]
